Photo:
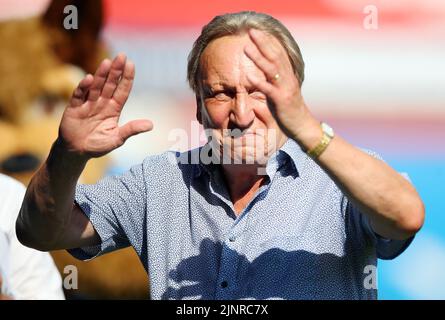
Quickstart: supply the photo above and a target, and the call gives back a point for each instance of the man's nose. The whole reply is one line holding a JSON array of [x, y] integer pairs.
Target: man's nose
[[242, 114]]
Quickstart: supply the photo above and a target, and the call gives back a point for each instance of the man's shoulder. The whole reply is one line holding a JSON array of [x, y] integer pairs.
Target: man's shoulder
[[171, 162]]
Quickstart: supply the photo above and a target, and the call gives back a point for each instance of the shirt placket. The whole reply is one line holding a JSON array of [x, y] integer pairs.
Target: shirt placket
[[225, 285], [232, 251], [229, 263], [232, 247]]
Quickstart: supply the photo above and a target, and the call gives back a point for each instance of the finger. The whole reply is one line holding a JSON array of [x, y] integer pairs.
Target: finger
[[117, 68], [265, 87], [125, 85], [268, 68], [134, 127], [80, 93], [99, 79], [265, 44]]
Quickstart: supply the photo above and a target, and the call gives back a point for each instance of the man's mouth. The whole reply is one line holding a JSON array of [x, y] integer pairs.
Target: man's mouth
[[242, 134]]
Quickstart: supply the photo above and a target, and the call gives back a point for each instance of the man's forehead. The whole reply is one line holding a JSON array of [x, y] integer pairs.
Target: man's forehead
[[223, 49], [224, 57], [228, 50]]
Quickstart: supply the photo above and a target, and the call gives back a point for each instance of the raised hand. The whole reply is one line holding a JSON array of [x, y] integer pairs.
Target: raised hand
[[89, 126], [281, 85]]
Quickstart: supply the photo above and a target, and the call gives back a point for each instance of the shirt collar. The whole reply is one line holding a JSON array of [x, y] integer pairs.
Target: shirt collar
[[290, 155], [290, 158], [294, 152]]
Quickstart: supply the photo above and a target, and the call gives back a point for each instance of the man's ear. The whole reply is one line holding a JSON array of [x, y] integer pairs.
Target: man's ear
[[198, 109]]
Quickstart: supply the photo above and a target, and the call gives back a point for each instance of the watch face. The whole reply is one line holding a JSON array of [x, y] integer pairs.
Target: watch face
[[327, 129]]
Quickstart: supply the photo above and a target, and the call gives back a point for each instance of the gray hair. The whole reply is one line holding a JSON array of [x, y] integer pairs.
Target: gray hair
[[237, 24]]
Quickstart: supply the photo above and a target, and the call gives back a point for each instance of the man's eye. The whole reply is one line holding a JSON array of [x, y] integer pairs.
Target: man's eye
[[221, 96], [258, 95]]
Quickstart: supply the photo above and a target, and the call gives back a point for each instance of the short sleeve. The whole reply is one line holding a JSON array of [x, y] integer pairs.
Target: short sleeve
[[386, 249], [115, 206]]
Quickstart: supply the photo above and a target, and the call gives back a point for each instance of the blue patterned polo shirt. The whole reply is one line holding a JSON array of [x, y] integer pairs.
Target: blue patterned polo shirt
[[298, 238]]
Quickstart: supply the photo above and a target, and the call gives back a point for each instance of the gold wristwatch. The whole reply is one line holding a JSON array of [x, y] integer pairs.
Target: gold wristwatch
[[328, 134]]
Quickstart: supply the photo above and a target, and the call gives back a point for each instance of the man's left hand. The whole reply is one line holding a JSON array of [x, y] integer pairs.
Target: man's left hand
[[282, 88]]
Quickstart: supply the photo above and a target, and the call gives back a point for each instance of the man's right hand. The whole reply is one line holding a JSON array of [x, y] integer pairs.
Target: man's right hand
[[49, 219], [89, 127]]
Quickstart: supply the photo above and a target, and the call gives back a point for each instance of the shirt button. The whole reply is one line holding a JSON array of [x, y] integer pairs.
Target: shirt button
[[224, 284], [232, 239]]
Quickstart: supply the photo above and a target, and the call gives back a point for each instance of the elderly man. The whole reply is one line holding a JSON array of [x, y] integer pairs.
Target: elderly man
[[305, 219]]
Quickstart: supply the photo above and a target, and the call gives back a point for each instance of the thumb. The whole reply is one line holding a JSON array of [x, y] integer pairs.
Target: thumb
[[134, 127]]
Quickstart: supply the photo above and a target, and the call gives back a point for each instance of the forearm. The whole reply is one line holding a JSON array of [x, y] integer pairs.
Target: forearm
[[392, 204], [48, 203]]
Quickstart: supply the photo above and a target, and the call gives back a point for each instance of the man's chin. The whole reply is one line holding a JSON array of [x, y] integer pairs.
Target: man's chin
[[245, 156]]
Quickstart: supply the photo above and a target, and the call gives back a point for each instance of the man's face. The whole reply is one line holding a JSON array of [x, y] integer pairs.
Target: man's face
[[233, 111]]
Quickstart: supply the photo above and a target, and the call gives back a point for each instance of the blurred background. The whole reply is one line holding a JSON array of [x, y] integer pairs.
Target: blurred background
[[380, 84]]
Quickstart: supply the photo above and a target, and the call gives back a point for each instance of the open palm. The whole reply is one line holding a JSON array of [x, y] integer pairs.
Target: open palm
[[89, 126]]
